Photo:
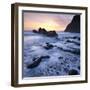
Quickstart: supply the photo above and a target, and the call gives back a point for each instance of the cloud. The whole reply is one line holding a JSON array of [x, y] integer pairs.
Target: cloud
[[49, 21]]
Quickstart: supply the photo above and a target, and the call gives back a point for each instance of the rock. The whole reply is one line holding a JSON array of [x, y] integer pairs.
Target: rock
[[52, 34], [48, 46], [73, 72], [36, 61], [35, 31], [46, 33], [60, 57], [45, 57], [71, 41], [42, 31], [71, 50], [74, 26], [78, 38], [66, 70], [79, 67], [74, 51], [75, 37], [62, 63], [57, 73]]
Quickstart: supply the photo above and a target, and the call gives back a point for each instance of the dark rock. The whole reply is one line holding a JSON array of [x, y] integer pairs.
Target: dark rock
[[74, 51], [42, 31], [68, 66], [48, 46], [62, 63], [54, 68], [57, 73], [74, 26], [73, 72], [34, 59], [51, 67], [71, 50], [66, 70], [60, 57], [77, 51], [71, 41], [52, 34], [45, 57], [35, 31], [79, 67], [35, 63], [78, 38], [46, 33]]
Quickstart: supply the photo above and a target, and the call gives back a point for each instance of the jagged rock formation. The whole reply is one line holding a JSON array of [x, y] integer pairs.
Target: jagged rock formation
[[74, 26], [45, 32]]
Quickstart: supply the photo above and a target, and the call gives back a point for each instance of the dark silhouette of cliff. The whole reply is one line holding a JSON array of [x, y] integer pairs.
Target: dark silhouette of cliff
[[74, 26]]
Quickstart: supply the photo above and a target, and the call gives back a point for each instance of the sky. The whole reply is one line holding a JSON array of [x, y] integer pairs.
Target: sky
[[49, 21]]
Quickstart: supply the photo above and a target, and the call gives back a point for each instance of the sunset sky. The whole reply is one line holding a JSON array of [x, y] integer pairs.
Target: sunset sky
[[49, 21]]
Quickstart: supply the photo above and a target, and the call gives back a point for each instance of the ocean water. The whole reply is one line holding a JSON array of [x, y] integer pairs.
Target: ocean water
[[51, 56]]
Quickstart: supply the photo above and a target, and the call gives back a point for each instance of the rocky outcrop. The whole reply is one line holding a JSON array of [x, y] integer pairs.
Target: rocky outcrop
[[74, 26], [46, 33], [37, 61]]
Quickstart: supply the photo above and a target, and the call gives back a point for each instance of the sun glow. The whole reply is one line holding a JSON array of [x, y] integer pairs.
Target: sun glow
[[48, 21], [47, 25]]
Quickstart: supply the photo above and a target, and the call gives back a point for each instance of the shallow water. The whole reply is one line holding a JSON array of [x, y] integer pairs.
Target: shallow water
[[64, 55]]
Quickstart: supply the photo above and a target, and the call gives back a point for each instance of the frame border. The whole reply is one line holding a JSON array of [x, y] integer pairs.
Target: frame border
[[14, 43]]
